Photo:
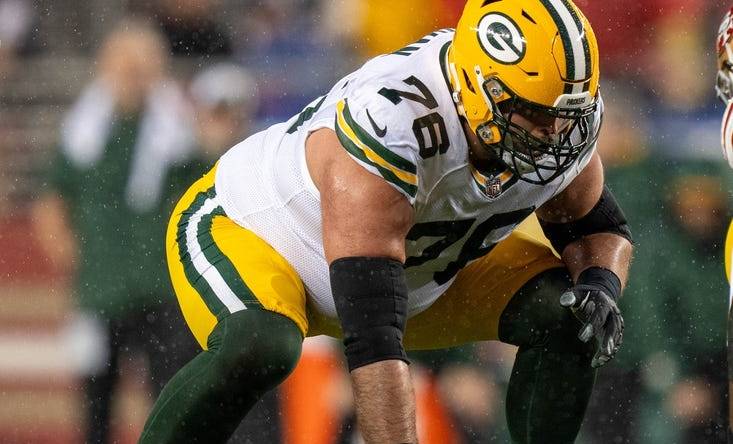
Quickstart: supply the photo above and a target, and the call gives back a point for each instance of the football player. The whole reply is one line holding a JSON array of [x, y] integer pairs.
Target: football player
[[384, 213], [724, 88]]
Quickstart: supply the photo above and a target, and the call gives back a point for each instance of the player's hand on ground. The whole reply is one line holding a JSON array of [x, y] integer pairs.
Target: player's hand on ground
[[601, 319]]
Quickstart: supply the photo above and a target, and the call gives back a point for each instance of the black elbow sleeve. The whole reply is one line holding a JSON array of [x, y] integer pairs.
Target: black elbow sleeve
[[605, 217], [371, 301]]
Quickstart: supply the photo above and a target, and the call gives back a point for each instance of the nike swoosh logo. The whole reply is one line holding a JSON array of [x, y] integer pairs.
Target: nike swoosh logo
[[379, 131]]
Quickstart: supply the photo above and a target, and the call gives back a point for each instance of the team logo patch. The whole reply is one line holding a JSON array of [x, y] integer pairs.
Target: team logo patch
[[501, 38]]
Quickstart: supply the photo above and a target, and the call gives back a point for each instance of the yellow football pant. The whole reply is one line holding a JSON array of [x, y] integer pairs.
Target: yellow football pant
[[218, 267]]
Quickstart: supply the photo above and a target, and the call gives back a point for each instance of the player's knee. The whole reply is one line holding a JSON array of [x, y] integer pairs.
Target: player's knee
[[534, 316], [256, 347]]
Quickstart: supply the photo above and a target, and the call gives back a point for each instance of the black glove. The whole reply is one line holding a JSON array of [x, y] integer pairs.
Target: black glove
[[593, 300]]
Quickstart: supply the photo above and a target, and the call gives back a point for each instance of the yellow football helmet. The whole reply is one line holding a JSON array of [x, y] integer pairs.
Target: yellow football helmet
[[536, 58]]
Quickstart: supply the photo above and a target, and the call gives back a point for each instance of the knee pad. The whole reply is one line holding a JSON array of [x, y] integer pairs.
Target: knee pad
[[535, 318], [256, 347]]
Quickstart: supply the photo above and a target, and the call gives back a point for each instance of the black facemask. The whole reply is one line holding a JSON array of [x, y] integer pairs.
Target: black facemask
[[541, 160]]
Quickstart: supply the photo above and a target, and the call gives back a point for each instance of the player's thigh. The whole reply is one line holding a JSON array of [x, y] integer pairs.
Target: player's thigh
[[218, 267], [470, 310]]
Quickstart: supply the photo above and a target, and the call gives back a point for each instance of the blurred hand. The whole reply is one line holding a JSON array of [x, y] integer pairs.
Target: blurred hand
[[51, 227], [601, 319], [692, 401], [469, 393]]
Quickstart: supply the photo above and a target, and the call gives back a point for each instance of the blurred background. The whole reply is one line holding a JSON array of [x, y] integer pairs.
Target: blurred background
[[109, 109]]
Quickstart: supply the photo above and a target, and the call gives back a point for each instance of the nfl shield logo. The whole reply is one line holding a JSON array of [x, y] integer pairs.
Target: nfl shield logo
[[493, 187]]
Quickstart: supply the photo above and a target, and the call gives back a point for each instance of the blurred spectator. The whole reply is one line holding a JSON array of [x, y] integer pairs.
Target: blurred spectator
[[225, 97], [457, 395], [659, 127], [387, 26], [667, 383], [471, 389], [699, 211], [626, 30], [382, 26], [278, 27], [16, 25], [103, 212], [225, 101], [316, 401], [683, 109], [294, 64]]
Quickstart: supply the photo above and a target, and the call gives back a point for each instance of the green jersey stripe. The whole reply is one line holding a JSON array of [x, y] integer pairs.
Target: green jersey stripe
[[407, 50], [389, 176], [444, 65], [305, 115], [367, 139]]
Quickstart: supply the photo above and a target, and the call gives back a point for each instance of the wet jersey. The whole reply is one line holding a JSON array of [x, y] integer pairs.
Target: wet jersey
[[396, 118]]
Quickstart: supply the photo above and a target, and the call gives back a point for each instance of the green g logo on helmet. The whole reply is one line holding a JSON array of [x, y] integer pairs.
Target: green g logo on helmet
[[501, 38]]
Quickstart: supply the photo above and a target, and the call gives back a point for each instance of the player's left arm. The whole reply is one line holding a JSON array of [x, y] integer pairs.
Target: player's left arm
[[589, 230]]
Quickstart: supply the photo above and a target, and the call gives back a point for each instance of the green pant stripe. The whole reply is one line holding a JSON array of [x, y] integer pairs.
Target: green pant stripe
[[194, 278], [220, 261]]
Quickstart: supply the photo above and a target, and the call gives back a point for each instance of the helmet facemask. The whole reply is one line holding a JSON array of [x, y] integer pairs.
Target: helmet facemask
[[565, 134], [724, 82]]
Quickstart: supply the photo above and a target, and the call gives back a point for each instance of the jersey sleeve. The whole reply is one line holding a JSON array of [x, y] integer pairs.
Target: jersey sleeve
[[382, 148]]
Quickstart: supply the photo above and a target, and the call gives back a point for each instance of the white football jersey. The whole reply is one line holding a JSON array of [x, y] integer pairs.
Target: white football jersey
[[396, 118]]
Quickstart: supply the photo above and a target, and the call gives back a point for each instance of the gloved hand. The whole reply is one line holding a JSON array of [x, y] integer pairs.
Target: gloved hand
[[593, 301]]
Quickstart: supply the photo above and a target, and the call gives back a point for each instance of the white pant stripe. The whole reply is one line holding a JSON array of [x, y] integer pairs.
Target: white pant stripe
[[207, 270]]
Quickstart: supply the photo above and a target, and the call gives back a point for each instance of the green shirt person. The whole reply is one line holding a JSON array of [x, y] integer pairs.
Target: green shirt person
[[101, 211]]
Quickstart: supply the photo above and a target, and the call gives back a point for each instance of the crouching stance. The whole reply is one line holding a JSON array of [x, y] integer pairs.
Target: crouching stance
[[390, 213]]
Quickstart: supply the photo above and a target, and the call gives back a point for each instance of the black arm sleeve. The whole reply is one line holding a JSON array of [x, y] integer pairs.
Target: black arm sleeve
[[371, 301], [605, 217]]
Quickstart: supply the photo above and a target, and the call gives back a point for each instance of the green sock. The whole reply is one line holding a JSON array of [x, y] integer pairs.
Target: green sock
[[552, 379], [547, 396], [250, 352]]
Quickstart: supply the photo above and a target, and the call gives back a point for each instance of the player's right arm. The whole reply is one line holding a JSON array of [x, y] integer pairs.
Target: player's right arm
[[365, 221], [51, 219]]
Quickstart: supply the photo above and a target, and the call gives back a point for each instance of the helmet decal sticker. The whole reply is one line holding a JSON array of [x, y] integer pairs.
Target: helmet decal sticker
[[501, 38]]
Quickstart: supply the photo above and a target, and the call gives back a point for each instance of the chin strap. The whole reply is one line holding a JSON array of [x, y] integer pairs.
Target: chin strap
[[456, 94]]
